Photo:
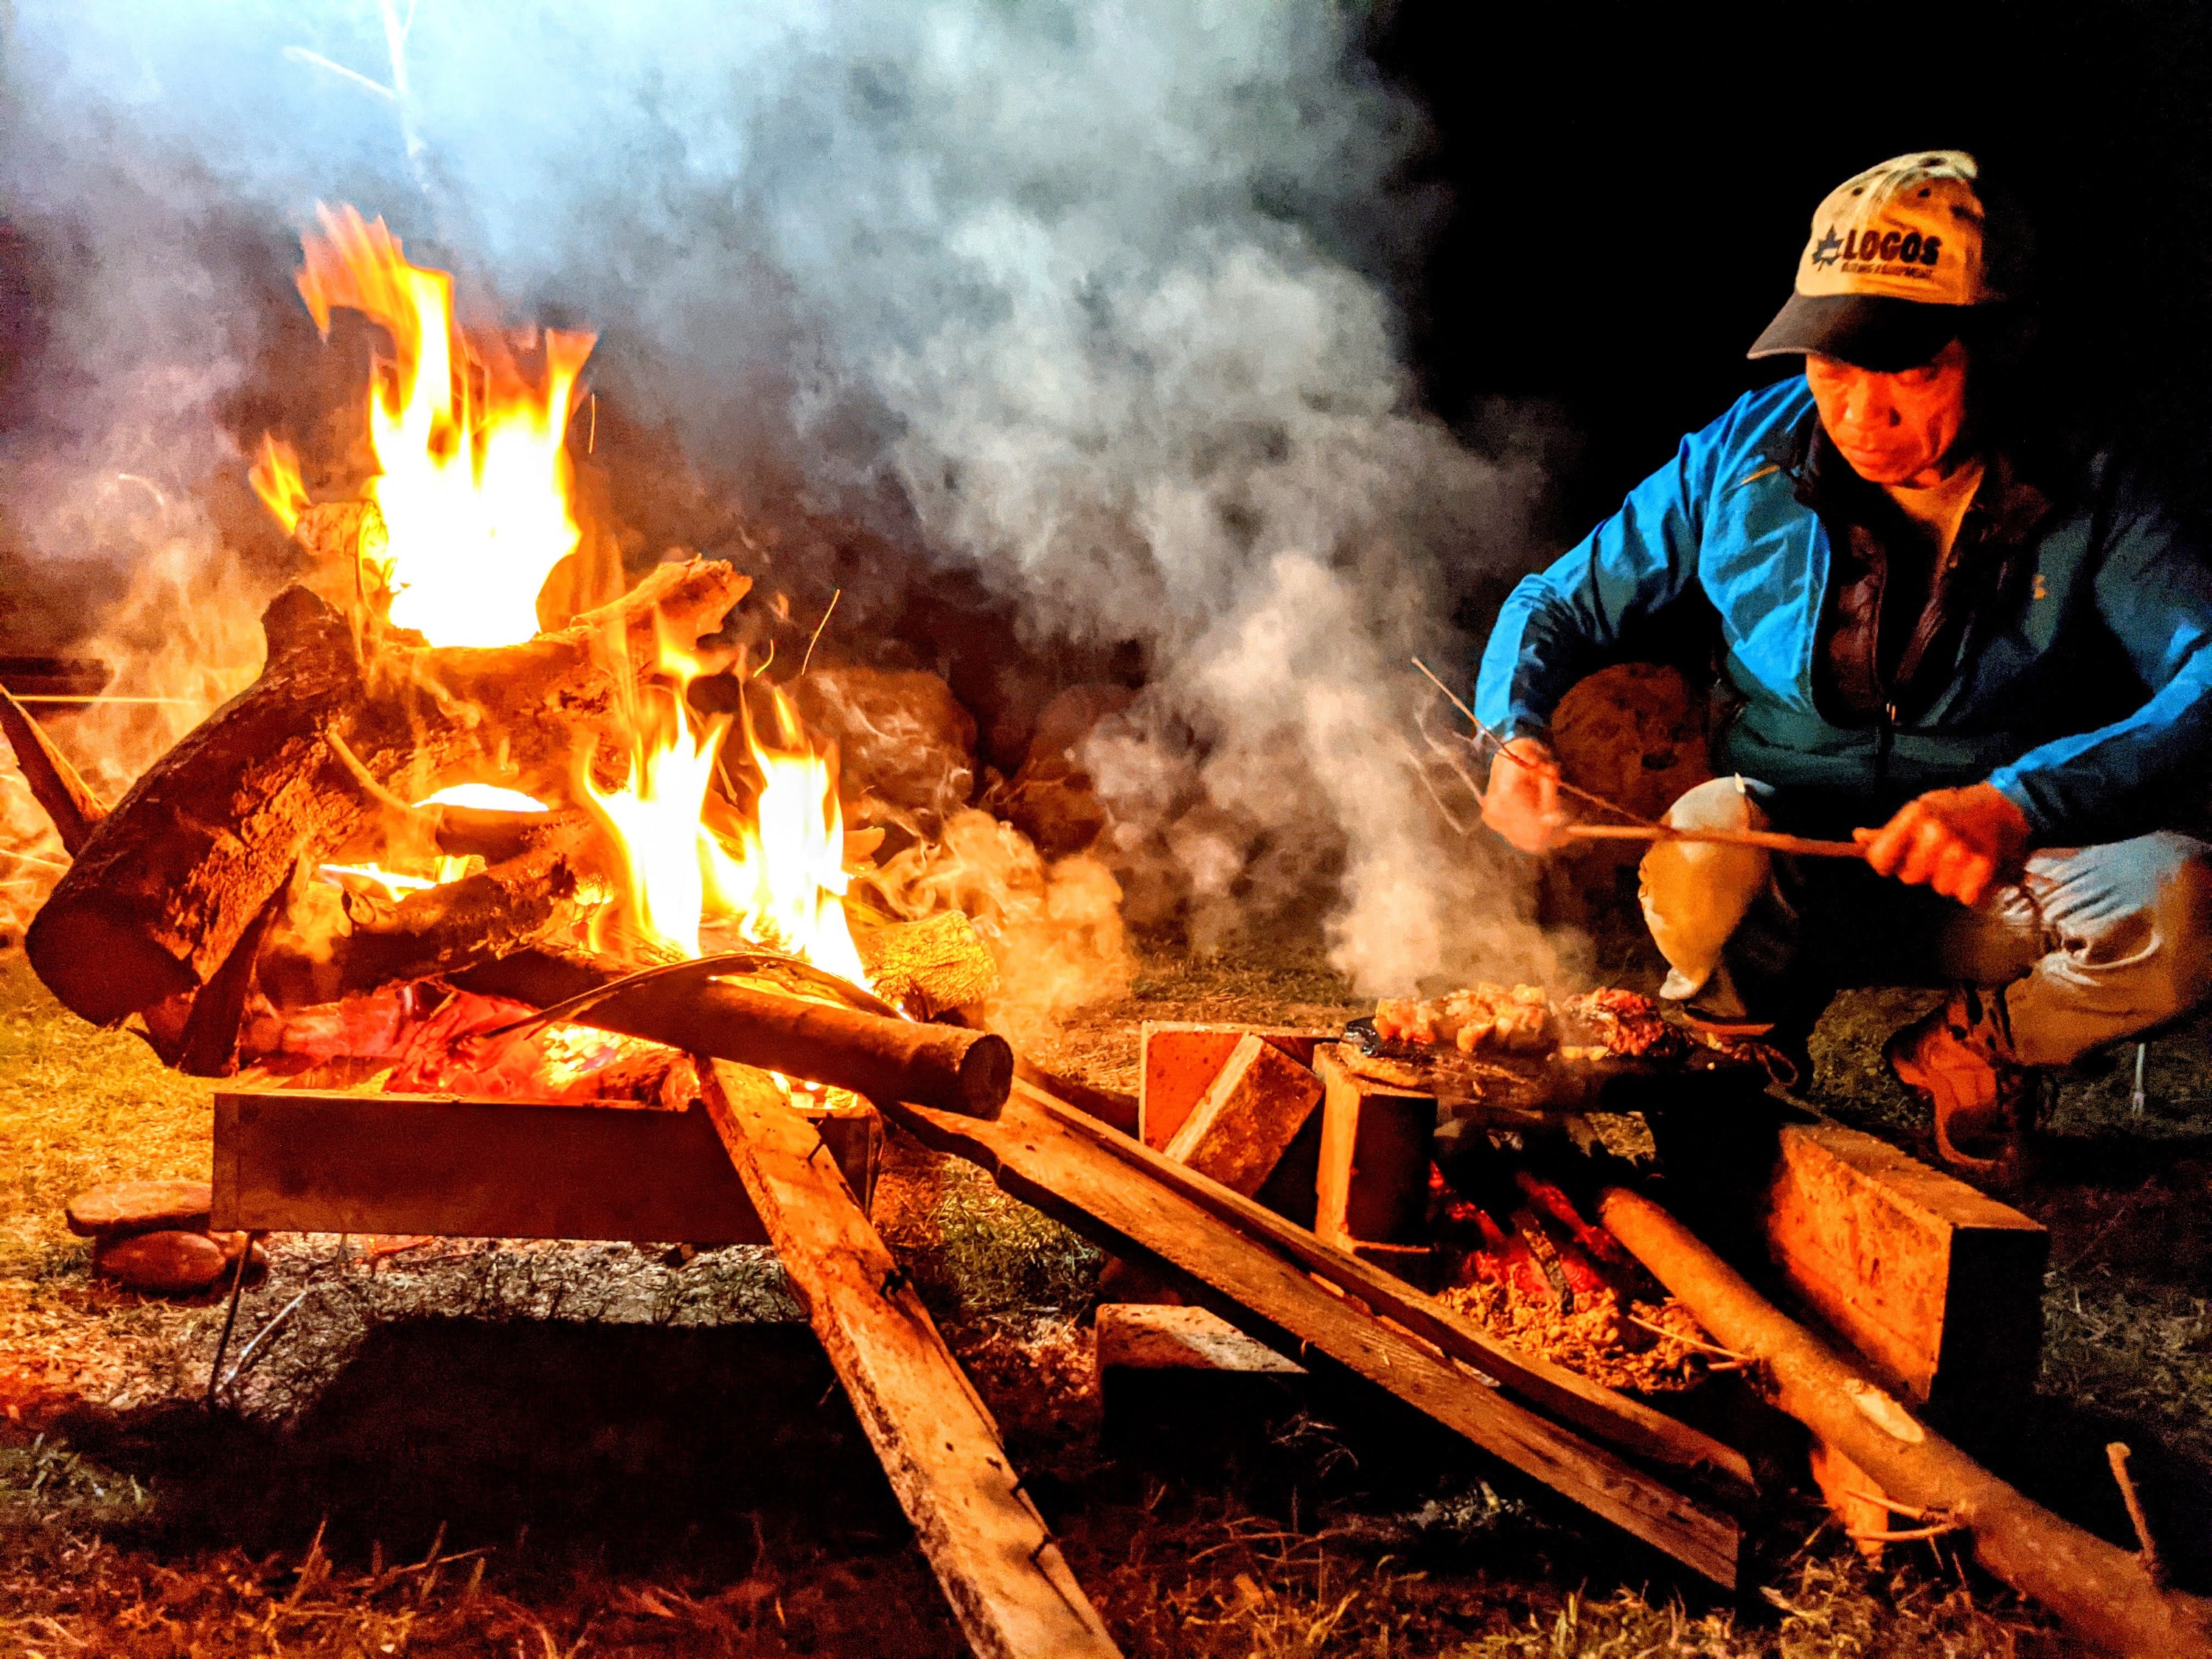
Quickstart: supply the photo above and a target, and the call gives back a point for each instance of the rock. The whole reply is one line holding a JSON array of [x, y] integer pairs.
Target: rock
[[168, 1263], [123, 1207], [1051, 799], [905, 742], [1634, 733]]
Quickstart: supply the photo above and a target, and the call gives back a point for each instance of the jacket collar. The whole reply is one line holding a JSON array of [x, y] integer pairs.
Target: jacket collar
[[2014, 501]]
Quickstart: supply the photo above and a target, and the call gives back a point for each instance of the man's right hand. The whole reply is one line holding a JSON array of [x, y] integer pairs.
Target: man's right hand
[[1522, 801]]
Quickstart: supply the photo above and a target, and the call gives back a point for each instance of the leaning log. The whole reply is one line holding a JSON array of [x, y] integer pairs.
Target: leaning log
[[55, 784], [881, 1059], [1135, 1204], [2103, 1594], [163, 890], [983, 1537]]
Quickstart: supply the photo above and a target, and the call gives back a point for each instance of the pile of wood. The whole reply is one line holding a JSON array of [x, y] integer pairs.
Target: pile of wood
[[200, 903]]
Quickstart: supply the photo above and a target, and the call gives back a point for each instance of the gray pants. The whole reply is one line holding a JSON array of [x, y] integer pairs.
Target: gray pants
[[2097, 943]]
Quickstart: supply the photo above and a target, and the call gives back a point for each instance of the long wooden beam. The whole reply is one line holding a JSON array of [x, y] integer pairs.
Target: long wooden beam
[[1626, 1424], [2105, 1595], [1011, 1592], [1076, 1169]]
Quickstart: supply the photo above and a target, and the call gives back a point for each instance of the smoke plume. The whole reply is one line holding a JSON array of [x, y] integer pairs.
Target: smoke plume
[[1091, 300]]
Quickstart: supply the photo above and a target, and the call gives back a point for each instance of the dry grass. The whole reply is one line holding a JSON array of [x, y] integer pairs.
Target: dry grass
[[77, 1106], [94, 1561]]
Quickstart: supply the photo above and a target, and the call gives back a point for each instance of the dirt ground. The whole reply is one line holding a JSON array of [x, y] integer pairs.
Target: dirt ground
[[484, 1448]]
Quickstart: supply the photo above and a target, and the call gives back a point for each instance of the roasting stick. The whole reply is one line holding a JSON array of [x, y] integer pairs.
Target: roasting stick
[[1643, 828], [1772, 840]]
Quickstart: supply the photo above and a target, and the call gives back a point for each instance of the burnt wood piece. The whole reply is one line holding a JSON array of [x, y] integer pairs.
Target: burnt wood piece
[[55, 785], [1009, 1587], [2103, 1594], [1624, 1423], [1372, 1187], [946, 1066], [1938, 1286], [1248, 1116], [209, 1045], [541, 890], [1095, 1181], [314, 1161], [163, 889]]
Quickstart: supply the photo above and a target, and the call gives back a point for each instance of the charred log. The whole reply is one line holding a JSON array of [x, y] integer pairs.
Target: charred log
[[556, 872], [162, 892]]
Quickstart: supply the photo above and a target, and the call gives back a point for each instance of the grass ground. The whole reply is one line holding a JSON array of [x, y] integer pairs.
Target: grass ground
[[487, 1449]]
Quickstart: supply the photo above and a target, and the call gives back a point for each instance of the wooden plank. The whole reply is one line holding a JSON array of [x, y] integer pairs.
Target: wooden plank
[[1938, 1286], [1249, 1114], [1373, 1182], [331, 1162], [1011, 1592], [1179, 1058], [1624, 1424], [1069, 1166]]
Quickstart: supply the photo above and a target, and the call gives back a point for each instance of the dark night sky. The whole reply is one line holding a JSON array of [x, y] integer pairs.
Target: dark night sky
[[1631, 185]]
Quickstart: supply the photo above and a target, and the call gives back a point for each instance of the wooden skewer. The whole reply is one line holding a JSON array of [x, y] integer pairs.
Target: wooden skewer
[[1773, 841]]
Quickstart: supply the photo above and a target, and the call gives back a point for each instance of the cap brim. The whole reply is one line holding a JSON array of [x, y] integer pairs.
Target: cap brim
[[1866, 331]]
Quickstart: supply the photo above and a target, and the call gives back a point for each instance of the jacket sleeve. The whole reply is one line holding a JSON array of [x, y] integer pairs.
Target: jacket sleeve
[[1559, 625], [2154, 591]]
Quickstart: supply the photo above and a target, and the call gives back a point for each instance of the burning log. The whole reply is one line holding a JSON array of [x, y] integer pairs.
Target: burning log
[[881, 1059], [2102, 1593], [947, 1066], [162, 892], [541, 890]]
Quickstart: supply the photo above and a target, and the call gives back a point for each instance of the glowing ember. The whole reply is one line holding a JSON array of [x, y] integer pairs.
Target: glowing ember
[[488, 796], [474, 477]]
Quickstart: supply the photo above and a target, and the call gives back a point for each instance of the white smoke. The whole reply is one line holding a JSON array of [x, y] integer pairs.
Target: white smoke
[[1091, 292]]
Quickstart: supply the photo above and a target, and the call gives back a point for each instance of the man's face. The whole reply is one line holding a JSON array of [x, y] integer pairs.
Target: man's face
[[1893, 429]]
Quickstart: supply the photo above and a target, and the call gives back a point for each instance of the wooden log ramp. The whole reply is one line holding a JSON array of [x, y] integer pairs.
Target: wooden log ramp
[[2104, 1595], [1280, 1283], [1009, 1588]]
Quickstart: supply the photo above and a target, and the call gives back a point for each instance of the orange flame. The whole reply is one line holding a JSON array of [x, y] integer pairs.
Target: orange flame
[[784, 881], [473, 475]]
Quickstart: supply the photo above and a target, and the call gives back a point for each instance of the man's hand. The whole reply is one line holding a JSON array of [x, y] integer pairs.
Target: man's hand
[[1951, 840], [1522, 801]]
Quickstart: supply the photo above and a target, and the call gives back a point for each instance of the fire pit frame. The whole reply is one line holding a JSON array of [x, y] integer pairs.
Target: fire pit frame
[[318, 1160]]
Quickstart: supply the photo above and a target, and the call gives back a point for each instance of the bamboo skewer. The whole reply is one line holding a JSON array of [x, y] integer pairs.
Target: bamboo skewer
[[1772, 840]]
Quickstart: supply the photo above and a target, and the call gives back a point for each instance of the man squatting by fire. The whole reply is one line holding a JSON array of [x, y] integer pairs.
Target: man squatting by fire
[[1928, 618]]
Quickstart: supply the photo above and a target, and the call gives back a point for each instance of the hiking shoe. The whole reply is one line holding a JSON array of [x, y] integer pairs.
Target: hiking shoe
[[1960, 1060], [1783, 1047]]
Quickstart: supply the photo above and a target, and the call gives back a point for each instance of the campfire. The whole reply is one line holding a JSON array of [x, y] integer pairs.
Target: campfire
[[495, 835], [466, 787]]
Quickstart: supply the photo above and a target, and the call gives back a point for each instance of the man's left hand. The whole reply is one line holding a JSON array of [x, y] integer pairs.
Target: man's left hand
[[1954, 840]]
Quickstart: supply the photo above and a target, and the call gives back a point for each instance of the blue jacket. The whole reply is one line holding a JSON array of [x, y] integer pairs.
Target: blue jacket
[[2082, 697]]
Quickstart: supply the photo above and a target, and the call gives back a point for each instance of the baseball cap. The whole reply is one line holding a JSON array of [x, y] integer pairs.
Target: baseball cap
[[1899, 258]]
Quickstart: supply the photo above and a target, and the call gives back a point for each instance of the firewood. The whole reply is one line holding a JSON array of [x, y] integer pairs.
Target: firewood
[[1373, 1181], [163, 889], [2103, 1594], [1252, 1267], [68, 800], [540, 892], [877, 1057], [1248, 1117], [983, 1536]]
